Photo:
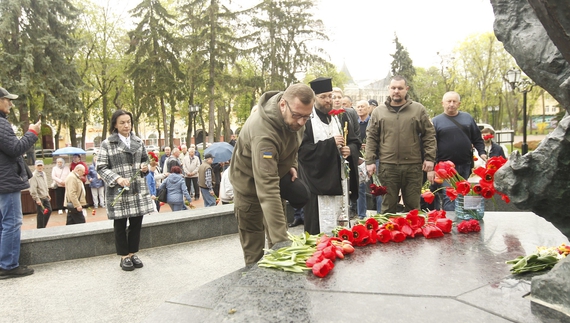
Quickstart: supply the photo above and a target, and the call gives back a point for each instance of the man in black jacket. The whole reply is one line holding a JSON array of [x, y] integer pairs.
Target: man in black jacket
[[13, 179]]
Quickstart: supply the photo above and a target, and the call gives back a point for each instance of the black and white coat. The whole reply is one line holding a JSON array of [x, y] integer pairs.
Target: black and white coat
[[116, 160]]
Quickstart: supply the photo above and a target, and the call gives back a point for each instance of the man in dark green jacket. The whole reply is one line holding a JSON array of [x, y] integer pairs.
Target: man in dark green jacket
[[266, 152], [397, 132]]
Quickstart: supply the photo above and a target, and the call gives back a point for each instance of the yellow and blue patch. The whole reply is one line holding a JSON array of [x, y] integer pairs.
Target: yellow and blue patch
[[267, 155]]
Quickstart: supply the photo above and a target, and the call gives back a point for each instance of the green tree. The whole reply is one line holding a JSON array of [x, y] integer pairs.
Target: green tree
[[403, 65], [430, 89], [38, 60], [326, 69], [283, 33], [155, 69]]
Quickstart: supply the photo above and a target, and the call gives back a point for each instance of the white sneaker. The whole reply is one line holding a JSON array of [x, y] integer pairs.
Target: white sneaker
[[60, 212]]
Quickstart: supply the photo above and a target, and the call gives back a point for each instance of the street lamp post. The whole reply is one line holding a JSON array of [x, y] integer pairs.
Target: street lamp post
[[524, 86], [193, 109], [493, 110]]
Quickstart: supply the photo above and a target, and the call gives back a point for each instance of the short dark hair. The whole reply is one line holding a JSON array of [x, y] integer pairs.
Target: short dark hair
[[399, 78], [301, 91], [114, 118], [176, 170], [488, 130]]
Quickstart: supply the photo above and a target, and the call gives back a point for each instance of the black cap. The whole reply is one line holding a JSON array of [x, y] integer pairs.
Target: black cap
[[7, 95], [373, 102], [321, 85], [297, 192], [208, 155]]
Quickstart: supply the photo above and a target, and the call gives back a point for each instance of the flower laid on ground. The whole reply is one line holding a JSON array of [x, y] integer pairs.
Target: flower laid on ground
[[469, 226], [543, 258], [376, 188]]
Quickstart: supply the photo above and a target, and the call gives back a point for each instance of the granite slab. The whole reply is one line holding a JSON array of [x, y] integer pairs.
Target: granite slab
[[457, 278]]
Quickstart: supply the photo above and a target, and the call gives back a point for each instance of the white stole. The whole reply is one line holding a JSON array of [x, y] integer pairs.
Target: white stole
[[333, 209]]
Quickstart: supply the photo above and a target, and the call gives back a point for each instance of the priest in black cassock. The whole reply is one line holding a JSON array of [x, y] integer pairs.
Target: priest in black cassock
[[321, 166]]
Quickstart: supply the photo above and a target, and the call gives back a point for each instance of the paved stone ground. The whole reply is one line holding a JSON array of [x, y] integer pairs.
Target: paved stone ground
[[97, 290]]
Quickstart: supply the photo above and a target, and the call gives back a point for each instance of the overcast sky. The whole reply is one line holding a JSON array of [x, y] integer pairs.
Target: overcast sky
[[361, 32]]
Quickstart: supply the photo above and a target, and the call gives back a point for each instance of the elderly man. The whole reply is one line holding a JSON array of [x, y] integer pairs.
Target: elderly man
[[173, 160], [13, 179], [323, 157], [75, 196], [190, 164], [393, 136], [263, 169], [40, 194], [456, 133]]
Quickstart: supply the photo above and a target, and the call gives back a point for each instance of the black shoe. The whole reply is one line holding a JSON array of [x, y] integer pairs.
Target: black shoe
[[137, 263], [127, 264], [296, 222], [19, 271]]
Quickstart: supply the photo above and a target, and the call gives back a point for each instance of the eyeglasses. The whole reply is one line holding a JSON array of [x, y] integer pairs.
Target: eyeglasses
[[296, 115]]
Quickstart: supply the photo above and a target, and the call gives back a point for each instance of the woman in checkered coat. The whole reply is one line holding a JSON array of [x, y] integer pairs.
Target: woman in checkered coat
[[122, 166]]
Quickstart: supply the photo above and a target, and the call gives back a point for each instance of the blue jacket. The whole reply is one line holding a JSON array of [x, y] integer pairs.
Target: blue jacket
[[94, 182], [151, 183], [13, 175], [176, 189]]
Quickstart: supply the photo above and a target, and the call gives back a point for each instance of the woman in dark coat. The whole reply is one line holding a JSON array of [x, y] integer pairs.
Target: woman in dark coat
[[122, 165]]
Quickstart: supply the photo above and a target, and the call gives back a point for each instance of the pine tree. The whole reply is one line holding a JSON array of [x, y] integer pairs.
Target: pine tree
[[402, 65]]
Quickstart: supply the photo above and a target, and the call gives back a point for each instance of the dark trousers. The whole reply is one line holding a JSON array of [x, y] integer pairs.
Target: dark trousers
[[41, 218], [127, 239], [59, 195], [74, 217], [194, 182]]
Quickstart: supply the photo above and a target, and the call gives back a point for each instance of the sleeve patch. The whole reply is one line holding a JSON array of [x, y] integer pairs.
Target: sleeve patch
[[267, 155]]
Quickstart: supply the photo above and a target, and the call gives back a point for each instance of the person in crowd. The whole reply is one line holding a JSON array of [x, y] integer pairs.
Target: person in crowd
[[123, 166], [456, 133], [263, 168], [217, 169], [59, 174], [205, 181], [226, 188], [75, 196], [191, 164], [362, 109], [150, 179], [233, 140], [39, 191], [76, 160], [13, 179], [196, 152], [322, 157], [393, 136], [163, 158], [373, 104], [159, 176], [176, 190], [492, 149], [173, 160], [183, 154], [338, 100], [97, 185]]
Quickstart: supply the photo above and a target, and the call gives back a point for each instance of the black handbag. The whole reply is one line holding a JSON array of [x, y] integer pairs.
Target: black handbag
[[162, 195]]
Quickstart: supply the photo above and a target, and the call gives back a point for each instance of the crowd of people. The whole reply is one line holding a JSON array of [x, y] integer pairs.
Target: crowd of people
[[306, 145]]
